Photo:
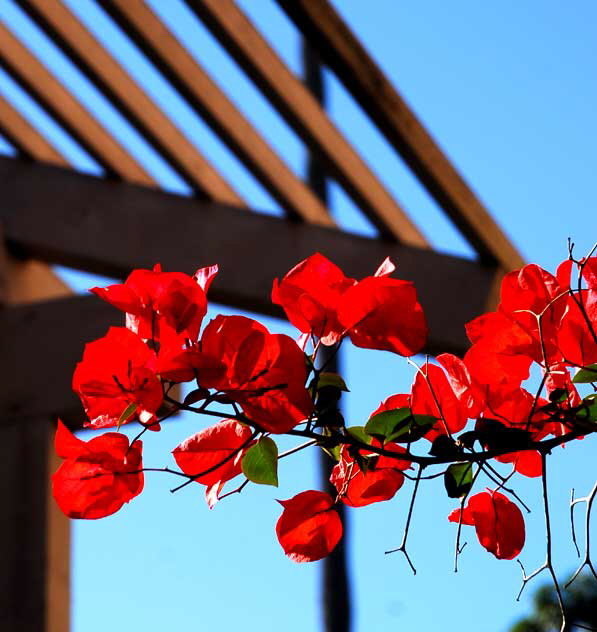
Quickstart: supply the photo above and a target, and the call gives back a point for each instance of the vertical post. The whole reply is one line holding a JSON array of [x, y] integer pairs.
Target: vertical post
[[34, 535], [335, 581]]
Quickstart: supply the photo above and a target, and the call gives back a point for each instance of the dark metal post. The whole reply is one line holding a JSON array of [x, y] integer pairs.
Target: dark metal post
[[335, 584]]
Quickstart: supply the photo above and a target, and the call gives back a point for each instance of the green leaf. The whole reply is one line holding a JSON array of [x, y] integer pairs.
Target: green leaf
[[359, 433], [587, 411], [399, 425], [260, 463], [332, 379], [126, 414], [458, 479], [586, 375]]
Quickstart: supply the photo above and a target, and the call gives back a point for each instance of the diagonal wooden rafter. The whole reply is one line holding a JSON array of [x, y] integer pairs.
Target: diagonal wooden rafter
[[83, 48], [302, 112], [19, 131], [194, 83], [362, 77], [79, 122]]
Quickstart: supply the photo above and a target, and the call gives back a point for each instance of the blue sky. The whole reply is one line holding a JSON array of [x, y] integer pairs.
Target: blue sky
[[508, 90]]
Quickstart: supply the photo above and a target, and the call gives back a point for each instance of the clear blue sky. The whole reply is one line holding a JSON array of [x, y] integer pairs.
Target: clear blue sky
[[508, 89]]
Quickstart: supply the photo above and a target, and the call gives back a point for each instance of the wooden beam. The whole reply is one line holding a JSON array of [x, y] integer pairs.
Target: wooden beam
[[109, 228], [302, 112], [175, 62], [362, 77], [92, 58], [45, 392], [17, 129], [77, 120]]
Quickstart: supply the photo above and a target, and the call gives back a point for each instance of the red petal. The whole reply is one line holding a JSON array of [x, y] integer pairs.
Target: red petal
[[65, 443], [204, 276], [431, 387], [310, 294], [498, 523], [211, 446], [383, 313], [528, 462], [309, 528], [102, 477]]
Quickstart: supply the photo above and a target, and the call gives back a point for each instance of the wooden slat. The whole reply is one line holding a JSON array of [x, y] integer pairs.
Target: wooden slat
[[25, 137], [109, 228], [125, 93], [44, 86], [253, 53], [342, 51], [203, 94]]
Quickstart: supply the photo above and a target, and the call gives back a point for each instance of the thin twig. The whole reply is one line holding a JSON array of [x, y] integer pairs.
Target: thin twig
[[587, 559], [548, 554], [402, 546]]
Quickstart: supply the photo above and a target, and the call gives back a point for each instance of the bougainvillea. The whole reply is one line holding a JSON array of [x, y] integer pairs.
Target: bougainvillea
[[463, 418]]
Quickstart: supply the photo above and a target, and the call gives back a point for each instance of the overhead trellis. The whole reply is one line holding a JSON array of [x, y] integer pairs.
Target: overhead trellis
[[52, 214]]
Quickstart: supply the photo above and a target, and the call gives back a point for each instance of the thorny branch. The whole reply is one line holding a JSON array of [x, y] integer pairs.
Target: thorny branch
[[547, 565], [409, 515], [587, 559]]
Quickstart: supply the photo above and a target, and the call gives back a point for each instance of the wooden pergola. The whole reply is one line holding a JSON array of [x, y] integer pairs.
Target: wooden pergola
[[52, 214]]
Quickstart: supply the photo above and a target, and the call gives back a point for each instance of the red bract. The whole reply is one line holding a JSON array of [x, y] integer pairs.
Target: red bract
[[502, 351], [160, 304], [513, 407], [380, 482], [225, 441], [574, 338], [265, 373], [310, 294], [528, 462], [432, 394], [498, 522], [383, 313], [98, 476], [309, 527], [116, 371], [377, 312], [529, 293], [467, 391], [184, 365]]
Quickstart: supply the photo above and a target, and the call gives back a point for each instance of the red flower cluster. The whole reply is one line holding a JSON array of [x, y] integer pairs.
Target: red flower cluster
[[376, 313], [475, 404]]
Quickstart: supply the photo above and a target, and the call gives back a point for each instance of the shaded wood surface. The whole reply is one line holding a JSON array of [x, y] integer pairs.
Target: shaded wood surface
[[109, 228]]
